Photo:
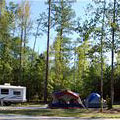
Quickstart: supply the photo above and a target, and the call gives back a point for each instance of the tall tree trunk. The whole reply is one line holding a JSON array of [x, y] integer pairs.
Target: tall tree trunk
[[112, 62], [25, 36], [4, 61], [74, 73], [61, 41], [47, 59], [35, 41], [20, 69], [102, 38], [24, 51]]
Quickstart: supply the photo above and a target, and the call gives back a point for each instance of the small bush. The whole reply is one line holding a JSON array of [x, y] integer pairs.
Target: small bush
[[108, 100]]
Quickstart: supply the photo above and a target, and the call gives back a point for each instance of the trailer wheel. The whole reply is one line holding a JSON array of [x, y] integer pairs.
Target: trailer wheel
[[7, 103], [1, 102]]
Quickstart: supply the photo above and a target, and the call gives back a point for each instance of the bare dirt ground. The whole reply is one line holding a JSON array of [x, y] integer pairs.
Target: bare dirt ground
[[23, 107]]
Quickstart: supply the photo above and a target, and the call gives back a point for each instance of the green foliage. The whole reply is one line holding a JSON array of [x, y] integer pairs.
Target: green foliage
[[108, 100], [74, 64], [10, 44]]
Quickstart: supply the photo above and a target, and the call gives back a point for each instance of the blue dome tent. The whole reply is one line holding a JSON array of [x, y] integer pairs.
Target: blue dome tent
[[93, 101]]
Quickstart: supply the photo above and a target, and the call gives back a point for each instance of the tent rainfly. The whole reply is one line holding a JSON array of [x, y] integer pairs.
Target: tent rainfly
[[66, 99]]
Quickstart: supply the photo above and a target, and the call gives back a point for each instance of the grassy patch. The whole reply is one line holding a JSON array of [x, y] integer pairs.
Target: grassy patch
[[90, 113], [116, 106], [28, 105], [64, 113], [47, 112]]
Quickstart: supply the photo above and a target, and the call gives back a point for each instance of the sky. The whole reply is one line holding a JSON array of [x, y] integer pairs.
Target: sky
[[37, 7]]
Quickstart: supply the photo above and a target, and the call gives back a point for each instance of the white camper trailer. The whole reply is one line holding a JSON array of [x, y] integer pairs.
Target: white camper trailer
[[12, 94]]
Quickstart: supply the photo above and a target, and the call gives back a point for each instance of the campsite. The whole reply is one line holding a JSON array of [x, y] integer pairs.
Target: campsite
[[39, 110], [62, 110], [60, 58]]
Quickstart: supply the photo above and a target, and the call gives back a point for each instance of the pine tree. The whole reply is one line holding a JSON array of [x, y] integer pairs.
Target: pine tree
[[62, 18]]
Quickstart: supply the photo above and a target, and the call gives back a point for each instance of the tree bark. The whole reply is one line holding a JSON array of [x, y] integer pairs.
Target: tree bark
[[112, 62], [20, 69], [102, 38], [47, 59]]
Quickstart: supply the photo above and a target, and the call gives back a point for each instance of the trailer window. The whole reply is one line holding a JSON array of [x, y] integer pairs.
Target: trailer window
[[17, 93], [5, 91]]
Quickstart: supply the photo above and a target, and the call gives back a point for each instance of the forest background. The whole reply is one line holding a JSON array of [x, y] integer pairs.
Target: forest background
[[84, 47]]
